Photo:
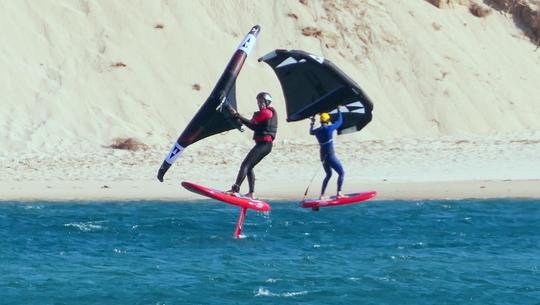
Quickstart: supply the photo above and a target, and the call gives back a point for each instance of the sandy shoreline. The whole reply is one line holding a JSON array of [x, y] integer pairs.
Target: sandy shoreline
[[410, 168], [137, 190]]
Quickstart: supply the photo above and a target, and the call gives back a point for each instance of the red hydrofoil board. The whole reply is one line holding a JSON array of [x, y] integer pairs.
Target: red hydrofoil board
[[235, 199], [315, 204]]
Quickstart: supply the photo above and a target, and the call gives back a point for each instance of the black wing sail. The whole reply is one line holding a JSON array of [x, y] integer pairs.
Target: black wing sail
[[312, 84], [211, 118]]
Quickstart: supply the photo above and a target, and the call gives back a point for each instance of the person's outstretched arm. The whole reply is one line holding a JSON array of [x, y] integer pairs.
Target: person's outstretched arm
[[245, 121], [335, 125], [312, 126], [235, 114]]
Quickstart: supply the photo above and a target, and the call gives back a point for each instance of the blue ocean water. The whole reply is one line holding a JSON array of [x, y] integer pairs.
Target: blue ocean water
[[378, 252]]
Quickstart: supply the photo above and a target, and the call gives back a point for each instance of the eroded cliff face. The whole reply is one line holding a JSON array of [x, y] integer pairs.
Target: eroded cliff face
[[526, 13]]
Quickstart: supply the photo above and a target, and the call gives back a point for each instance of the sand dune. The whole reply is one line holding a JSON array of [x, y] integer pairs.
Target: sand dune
[[78, 74]]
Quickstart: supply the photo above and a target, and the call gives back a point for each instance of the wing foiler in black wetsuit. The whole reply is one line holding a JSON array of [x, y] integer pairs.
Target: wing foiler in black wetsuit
[[264, 125]]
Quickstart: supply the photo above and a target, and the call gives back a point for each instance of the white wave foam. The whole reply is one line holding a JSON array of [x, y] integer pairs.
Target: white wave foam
[[85, 227], [293, 294], [266, 293], [32, 207]]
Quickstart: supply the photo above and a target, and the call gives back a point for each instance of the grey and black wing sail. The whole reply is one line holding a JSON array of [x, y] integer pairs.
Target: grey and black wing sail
[[312, 84]]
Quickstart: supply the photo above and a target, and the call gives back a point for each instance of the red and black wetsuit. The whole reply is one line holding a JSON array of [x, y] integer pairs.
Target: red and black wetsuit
[[264, 125]]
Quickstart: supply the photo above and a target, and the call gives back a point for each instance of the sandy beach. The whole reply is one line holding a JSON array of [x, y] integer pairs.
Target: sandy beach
[[448, 168], [456, 98]]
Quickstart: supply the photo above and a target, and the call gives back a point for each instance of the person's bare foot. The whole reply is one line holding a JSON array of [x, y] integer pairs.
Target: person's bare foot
[[322, 197], [250, 195]]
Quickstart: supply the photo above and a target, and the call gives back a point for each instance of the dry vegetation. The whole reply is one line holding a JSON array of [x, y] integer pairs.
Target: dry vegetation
[[127, 144], [311, 31], [479, 10], [293, 15], [118, 65]]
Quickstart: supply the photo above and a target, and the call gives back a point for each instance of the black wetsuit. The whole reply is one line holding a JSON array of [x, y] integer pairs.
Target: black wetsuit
[[264, 125]]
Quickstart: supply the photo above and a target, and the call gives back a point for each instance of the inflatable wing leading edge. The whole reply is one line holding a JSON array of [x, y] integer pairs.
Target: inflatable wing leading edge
[[312, 84], [212, 118]]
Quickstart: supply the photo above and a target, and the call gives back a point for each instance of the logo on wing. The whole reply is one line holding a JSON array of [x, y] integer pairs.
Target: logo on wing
[[175, 152]]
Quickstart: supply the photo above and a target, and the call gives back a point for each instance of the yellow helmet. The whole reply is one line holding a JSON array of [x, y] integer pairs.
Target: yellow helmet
[[325, 117]]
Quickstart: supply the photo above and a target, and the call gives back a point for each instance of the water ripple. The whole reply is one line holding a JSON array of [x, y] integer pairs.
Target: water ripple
[[387, 252]]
